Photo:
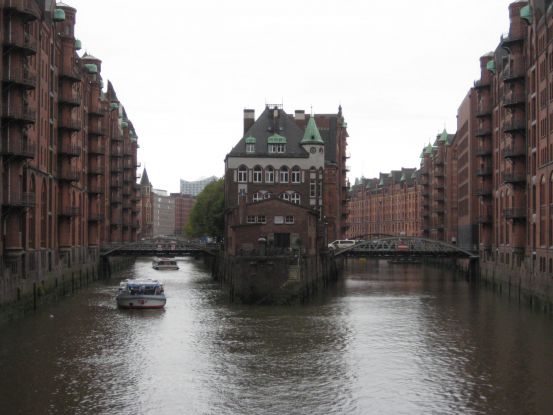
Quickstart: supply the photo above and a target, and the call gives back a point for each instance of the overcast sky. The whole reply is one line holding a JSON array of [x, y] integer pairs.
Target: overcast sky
[[185, 70]]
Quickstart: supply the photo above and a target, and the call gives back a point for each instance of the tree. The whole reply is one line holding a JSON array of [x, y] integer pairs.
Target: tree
[[207, 215]]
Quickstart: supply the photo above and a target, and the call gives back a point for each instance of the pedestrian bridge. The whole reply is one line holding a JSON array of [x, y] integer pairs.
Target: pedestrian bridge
[[404, 246], [160, 247]]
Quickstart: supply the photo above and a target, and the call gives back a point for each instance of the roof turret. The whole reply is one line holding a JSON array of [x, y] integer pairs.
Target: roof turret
[[312, 134]]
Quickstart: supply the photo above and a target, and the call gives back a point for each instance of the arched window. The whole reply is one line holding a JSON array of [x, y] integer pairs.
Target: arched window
[[296, 175], [283, 178], [296, 198], [257, 197], [267, 195], [257, 174], [242, 174], [269, 174], [285, 196]]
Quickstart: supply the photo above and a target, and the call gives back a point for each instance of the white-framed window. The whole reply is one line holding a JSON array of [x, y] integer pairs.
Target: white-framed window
[[289, 220], [283, 176], [278, 220], [277, 148], [242, 174], [257, 174], [284, 196], [312, 189], [250, 148], [269, 174], [257, 197], [267, 195], [296, 175], [295, 198], [257, 219]]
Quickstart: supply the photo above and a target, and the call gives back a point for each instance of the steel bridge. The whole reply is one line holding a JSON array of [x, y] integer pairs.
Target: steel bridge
[[161, 247], [404, 247]]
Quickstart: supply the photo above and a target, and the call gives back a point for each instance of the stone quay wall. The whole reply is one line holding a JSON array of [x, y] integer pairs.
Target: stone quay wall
[[278, 279]]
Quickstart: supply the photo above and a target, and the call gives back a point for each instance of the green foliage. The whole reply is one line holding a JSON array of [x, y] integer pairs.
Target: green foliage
[[207, 215]]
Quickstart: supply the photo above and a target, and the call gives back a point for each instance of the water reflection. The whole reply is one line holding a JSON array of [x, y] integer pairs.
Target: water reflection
[[387, 339]]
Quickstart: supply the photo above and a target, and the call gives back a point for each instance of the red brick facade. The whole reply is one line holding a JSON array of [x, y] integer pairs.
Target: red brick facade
[[183, 206], [68, 150]]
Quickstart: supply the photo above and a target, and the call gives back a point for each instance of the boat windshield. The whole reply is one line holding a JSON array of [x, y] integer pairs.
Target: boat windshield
[[145, 289]]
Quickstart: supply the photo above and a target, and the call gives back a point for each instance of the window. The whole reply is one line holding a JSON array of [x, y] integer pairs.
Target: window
[[312, 189], [242, 174], [267, 195], [296, 175], [289, 220], [277, 148], [269, 175], [283, 174], [285, 196], [257, 197], [250, 148], [257, 174], [295, 198], [257, 219]]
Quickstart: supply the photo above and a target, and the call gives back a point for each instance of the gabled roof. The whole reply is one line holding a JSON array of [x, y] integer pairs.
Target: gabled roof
[[281, 129]]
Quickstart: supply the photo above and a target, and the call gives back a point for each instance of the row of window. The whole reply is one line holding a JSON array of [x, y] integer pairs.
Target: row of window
[[277, 220], [294, 197], [272, 148], [284, 174]]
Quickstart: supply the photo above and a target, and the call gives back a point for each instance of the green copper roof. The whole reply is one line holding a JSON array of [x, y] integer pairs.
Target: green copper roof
[[312, 134], [276, 139], [490, 66], [526, 13], [114, 105], [78, 44], [428, 149], [124, 124], [422, 154], [444, 137], [59, 15], [91, 68], [250, 140]]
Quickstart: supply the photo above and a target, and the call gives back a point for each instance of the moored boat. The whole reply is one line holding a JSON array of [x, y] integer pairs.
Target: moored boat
[[143, 293], [164, 263]]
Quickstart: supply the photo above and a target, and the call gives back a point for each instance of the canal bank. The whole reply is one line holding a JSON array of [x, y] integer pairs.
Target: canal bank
[[276, 278], [24, 295]]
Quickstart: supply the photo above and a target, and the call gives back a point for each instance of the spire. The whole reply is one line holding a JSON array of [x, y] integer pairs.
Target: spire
[[144, 181], [312, 134]]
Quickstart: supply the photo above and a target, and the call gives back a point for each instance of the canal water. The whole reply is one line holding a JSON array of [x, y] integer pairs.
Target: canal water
[[387, 339]]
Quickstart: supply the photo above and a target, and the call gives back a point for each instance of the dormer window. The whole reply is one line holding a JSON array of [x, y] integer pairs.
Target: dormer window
[[276, 144], [250, 144]]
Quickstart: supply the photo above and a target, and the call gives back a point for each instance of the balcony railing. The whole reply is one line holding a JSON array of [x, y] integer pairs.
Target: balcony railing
[[21, 78], [484, 171], [71, 175], [483, 131], [516, 125], [19, 199], [22, 41], [483, 151], [70, 97], [70, 72], [514, 178], [480, 84], [24, 7], [17, 147], [72, 150], [513, 100], [71, 125], [96, 148], [484, 111], [514, 151], [515, 213], [24, 115], [69, 211], [513, 73], [508, 39]]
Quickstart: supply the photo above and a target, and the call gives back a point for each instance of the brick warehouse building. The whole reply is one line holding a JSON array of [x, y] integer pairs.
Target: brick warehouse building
[[387, 205], [279, 181], [68, 152]]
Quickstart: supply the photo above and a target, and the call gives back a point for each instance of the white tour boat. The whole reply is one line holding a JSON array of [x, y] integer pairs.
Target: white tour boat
[[143, 293], [164, 263]]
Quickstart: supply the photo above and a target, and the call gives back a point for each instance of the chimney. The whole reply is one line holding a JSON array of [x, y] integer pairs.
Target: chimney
[[299, 117], [249, 119]]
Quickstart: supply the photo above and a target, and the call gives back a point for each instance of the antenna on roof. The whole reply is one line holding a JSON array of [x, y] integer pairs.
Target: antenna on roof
[[311, 110]]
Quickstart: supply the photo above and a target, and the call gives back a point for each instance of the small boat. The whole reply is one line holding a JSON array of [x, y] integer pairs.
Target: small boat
[[145, 293], [164, 263]]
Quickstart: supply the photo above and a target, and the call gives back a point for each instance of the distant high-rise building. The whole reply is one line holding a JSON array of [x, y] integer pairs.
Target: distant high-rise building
[[195, 188]]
